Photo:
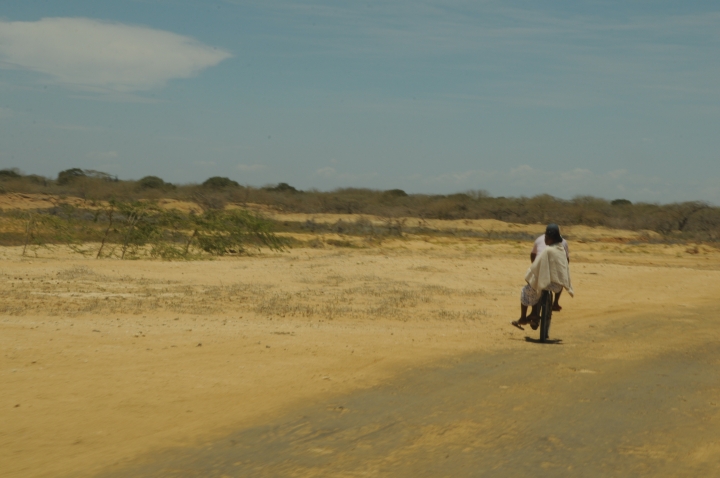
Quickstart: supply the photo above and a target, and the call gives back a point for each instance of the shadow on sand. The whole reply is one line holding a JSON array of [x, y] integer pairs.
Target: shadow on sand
[[547, 342], [475, 415]]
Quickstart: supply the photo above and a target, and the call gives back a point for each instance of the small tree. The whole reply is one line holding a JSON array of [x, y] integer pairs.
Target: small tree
[[138, 224], [221, 232], [67, 176], [109, 213], [94, 174], [43, 229]]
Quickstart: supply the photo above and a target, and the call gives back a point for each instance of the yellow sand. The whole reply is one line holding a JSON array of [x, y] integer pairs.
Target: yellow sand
[[105, 360]]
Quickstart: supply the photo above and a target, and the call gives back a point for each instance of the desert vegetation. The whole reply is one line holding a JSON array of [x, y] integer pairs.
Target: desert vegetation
[[105, 197], [131, 229]]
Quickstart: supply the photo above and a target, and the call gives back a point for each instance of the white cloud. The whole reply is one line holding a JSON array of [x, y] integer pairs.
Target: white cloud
[[74, 127], [326, 172], [332, 174], [101, 56], [102, 155], [115, 97], [249, 167]]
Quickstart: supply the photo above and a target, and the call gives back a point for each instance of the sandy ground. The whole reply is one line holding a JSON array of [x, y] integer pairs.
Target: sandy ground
[[107, 365]]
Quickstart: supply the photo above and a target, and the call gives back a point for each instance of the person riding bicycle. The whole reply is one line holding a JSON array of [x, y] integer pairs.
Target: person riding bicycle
[[549, 271], [538, 247]]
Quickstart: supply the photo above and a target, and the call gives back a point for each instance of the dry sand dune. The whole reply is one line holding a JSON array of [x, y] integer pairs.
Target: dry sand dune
[[28, 201], [121, 367], [487, 227]]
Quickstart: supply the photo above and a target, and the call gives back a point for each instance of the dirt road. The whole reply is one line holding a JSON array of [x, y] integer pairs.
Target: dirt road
[[543, 410]]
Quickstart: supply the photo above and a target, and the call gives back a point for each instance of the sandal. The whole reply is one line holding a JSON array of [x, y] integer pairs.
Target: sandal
[[517, 324]]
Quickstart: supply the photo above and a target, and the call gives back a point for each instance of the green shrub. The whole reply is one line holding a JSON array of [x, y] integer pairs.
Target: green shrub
[[282, 188], [35, 179], [218, 182], [13, 173], [395, 193], [65, 177], [151, 182]]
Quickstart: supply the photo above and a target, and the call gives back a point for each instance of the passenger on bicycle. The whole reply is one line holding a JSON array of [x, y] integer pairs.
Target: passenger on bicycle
[[538, 247], [549, 271]]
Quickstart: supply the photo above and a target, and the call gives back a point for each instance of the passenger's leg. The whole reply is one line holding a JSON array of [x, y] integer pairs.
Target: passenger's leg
[[523, 317], [528, 297], [556, 304]]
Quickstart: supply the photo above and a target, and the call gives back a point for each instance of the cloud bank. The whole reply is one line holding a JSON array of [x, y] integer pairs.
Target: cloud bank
[[106, 57], [528, 181]]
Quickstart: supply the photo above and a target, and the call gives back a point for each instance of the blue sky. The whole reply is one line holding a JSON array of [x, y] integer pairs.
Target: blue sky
[[607, 98]]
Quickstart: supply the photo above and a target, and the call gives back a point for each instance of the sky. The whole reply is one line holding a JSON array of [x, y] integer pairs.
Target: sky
[[614, 99]]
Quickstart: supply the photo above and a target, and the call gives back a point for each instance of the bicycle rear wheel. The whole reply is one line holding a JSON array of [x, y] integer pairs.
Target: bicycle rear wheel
[[546, 301]]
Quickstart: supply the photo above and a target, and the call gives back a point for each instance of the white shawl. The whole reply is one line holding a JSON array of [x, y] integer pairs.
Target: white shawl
[[550, 266]]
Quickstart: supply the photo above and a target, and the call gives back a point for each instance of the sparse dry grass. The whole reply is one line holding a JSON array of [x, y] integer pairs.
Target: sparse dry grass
[[80, 290]]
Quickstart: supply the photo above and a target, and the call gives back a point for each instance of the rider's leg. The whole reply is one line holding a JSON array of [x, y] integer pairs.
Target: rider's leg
[[536, 310], [534, 317]]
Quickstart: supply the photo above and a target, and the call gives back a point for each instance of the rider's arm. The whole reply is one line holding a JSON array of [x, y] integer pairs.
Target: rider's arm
[[534, 251]]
